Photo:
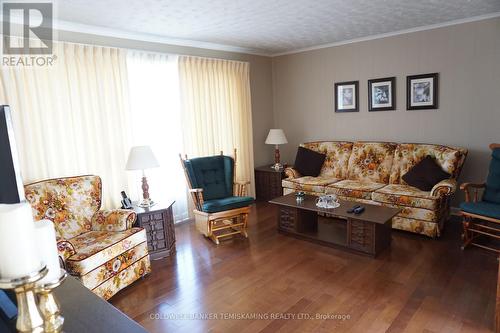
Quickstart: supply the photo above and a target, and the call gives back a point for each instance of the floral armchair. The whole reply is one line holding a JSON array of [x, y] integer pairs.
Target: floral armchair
[[99, 247]]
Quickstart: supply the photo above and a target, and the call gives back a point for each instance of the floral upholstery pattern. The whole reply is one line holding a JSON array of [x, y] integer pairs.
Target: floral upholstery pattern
[[308, 183], [405, 195], [373, 176], [113, 220], [430, 229], [371, 162], [354, 188], [99, 247], [408, 154], [68, 202], [125, 278], [94, 248], [337, 157], [292, 173], [444, 187], [114, 266], [65, 249]]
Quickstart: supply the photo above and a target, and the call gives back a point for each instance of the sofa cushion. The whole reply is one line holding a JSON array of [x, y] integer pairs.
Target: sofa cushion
[[214, 174], [219, 205], [68, 202], [408, 154], [371, 162], [482, 208], [354, 189], [425, 174], [337, 157], [492, 191], [308, 162], [405, 195], [114, 266], [95, 248], [309, 184]]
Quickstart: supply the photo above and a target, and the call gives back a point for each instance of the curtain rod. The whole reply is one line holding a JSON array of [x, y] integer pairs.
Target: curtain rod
[[138, 49]]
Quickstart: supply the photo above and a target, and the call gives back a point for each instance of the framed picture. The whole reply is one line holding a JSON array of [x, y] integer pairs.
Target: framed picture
[[381, 94], [422, 91], [346, 96]]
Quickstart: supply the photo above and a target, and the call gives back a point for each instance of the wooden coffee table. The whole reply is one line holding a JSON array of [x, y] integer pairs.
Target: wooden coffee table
[[367, 233]]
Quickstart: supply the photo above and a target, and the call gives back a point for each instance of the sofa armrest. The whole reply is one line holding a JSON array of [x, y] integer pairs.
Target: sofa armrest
[[240, 188], [65, 249], [472, 187], [292, 173], [113, 220], [444, 187]]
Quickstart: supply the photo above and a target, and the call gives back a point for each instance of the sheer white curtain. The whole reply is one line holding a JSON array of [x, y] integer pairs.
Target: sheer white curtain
[[217, 110], [72, 118], [156, 122]]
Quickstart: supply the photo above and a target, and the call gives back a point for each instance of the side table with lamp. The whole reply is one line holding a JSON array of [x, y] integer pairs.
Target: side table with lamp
[[268, 178]]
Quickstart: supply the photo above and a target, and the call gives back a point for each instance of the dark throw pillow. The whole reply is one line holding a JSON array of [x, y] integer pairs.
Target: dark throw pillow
[[425, 174], [308, 162]]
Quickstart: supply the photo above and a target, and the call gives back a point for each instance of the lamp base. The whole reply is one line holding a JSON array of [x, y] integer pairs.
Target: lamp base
[[277, 166], [146, 203]]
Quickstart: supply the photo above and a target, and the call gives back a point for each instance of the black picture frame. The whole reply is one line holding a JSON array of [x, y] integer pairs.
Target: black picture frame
[[355, 98], [391, 91], [432, 93]]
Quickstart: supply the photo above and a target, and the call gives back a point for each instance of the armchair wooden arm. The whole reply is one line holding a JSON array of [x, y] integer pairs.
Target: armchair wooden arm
[[475, 187], [197, 195], [240, 188]]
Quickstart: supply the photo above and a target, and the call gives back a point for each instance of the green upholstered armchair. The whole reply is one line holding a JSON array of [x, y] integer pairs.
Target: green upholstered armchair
[[482, 217], [221, 207]]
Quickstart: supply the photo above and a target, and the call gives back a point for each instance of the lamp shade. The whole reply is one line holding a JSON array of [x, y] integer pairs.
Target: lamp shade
[[276, 136], [140, 158]]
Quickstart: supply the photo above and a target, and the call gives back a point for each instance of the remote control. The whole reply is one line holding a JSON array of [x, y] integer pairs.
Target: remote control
[[359, 210], [350, 211]]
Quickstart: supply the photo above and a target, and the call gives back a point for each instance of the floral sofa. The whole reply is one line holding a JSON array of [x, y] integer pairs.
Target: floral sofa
[[99, 247], [371, 172]]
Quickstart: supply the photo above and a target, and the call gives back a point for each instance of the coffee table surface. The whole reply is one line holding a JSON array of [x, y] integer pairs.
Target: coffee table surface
[[372, 213]]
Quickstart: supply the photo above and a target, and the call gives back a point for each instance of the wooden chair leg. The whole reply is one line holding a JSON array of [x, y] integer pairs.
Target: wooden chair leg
[[244, 227], [465, 233]]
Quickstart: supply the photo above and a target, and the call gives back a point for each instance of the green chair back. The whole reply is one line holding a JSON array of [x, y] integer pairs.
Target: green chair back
[[214, 174]]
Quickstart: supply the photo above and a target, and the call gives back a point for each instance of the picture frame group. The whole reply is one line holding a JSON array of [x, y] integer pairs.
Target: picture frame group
[[421, 93]]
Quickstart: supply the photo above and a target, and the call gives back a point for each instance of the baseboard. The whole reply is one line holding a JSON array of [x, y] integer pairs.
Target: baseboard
[[184, 221]]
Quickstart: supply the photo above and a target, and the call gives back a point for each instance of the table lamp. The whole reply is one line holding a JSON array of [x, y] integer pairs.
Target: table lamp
[[276, 137], [142, 158]]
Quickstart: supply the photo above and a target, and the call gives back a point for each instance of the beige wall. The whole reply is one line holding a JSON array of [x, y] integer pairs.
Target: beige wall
[[260, 79], [467, 57]]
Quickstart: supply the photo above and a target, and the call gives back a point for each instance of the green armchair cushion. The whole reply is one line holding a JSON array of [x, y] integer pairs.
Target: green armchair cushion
[[219, 205], [213, 174], [492, 191], [482, 208]]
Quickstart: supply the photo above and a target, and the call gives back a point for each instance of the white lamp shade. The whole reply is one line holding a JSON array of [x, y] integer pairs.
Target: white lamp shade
[[140, 158], [276, 136]]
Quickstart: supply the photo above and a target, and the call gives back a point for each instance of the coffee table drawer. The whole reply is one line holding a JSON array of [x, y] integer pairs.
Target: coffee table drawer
[[287, 219], [361, 235]]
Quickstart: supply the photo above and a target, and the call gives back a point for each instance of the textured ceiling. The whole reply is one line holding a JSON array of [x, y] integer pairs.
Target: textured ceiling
[[269, 26]]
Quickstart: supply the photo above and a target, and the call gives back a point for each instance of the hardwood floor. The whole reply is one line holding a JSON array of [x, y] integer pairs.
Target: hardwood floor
[[418, 285]]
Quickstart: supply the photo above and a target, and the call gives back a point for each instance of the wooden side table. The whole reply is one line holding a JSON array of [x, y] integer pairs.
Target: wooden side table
[[268, 183], [158, 221]]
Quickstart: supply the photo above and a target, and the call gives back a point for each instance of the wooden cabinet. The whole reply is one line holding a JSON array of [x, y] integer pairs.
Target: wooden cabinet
[[158, 221], [268, 183]]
